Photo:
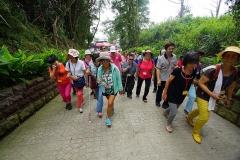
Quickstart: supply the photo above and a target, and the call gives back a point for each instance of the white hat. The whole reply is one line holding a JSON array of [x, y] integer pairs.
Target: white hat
[[103, 55], [87, 52], [73, 52], [148, 51], [163, 51], [112, 49]]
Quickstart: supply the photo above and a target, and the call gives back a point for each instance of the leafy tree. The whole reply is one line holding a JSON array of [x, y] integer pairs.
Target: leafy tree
[[234, 5], [130, 17], [59, 19]]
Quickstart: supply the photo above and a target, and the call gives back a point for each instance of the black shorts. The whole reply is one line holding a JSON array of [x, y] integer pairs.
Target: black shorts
[[104, 94]]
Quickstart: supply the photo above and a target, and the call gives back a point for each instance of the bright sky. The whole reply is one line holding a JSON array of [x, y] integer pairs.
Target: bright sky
[[161, 10]]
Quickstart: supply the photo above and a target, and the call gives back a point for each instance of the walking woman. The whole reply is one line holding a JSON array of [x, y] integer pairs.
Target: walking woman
[[146, 73], [124, 57], [57, 71], [212, 87], [177, 86], [110, 79], [76, 69], [93, 68]]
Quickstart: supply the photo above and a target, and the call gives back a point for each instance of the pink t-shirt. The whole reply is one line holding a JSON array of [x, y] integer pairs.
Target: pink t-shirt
[[124, 59], [116, 60], [145, 69]]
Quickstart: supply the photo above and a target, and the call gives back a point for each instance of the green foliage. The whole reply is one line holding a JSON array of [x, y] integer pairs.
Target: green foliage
[[130, 17], [32, 24], [210, 35], [139, 50], [24, 65]]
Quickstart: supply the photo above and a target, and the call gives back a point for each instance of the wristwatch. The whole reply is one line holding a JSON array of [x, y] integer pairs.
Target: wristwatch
[[229, 99]]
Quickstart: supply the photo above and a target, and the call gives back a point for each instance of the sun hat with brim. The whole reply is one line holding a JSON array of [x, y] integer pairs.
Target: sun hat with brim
[[87, 52], [103, 56], [148, 51], [230, 49], [73, 52]]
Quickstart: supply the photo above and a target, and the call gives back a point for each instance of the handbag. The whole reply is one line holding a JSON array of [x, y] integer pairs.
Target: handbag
[[80, 83]]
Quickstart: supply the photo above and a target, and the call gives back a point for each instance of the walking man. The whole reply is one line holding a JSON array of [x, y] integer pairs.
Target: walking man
[[128, 75], [165, 66]]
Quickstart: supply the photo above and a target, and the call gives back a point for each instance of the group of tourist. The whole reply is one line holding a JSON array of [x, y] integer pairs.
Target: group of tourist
[[109, 73]]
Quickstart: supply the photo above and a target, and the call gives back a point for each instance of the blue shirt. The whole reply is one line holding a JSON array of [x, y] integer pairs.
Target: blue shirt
[[131, 70], [93, 68]]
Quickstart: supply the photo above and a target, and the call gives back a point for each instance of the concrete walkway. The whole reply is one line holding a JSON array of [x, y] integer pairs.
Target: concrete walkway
[[137, 132]]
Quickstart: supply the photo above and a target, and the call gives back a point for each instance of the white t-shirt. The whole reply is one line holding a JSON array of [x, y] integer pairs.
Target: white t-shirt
[[76, 68]]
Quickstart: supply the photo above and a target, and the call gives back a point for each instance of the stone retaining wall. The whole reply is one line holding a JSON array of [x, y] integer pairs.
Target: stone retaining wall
[[231, 113], [20, 102]]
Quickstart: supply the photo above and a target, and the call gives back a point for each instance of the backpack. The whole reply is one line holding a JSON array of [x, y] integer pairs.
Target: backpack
[[235, 71]]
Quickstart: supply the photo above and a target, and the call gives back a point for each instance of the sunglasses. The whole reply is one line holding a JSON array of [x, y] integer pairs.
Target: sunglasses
[[130, 59], [103, 48]]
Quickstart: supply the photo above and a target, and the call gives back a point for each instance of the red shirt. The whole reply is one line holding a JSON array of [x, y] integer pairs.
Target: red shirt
[[145, 68], [179, 63]]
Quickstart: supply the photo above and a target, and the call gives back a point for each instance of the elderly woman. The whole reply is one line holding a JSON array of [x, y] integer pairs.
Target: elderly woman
[[215, 81], [146, 73], [57, 71], [76, 69], [110, 79]]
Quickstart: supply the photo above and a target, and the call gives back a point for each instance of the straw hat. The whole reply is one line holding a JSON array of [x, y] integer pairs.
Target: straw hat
[[230, 49]]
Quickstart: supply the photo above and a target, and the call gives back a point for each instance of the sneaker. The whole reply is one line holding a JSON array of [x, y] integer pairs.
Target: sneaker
[[69, 106], [112, 112], [169, 128], [145, 101], [130, 97], [108, 122], [165, 113], [158, 104], [80, 110], [154, 91], [137, 95], [100, 114], [197, 138], [185, 111], [190, 121]]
